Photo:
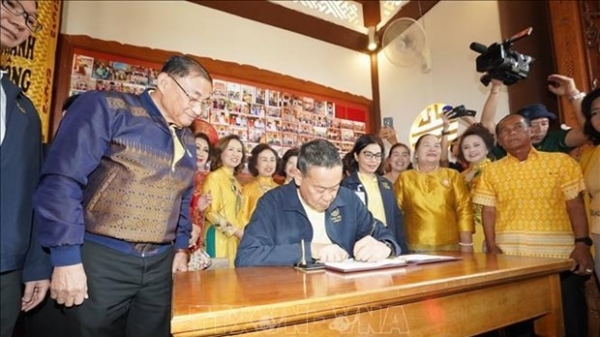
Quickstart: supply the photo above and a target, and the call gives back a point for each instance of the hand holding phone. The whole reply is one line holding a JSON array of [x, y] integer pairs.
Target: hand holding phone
[[388, 122]]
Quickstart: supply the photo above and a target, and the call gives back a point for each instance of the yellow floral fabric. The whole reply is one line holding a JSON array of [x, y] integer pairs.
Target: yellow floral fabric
[[375, 205], [226, 203], [530, 200], [590, 164], [476, 170], [437, 207], [251, 192]]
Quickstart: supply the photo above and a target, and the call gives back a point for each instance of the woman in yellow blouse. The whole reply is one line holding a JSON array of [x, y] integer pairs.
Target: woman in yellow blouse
[[590, 164], [226, 227], [438, 215], [262, 165], [474, 147]]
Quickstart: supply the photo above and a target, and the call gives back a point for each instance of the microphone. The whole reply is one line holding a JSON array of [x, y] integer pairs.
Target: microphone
[[478, 47]]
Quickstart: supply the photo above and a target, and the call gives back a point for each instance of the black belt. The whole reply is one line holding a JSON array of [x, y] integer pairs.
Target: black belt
[[144, 248]]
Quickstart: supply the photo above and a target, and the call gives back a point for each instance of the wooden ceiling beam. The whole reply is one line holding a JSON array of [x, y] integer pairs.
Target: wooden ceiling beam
[[285, 18], [371, 13]]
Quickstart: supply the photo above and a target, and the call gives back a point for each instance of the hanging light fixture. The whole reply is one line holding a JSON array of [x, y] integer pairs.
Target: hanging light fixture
[[372, 39]]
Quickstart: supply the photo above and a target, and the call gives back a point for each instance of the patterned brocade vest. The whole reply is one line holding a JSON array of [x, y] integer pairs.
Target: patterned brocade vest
[[134, 194]]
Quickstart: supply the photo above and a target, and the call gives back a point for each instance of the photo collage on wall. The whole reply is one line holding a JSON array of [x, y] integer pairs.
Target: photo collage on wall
[[91, 73], [281, 119], [257, 115]]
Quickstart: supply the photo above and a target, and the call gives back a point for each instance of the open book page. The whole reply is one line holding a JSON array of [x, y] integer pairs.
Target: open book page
[[351, 265]]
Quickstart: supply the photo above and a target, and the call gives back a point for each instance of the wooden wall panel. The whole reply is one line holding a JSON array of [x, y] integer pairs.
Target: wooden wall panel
[[514, 17], [591, 30], [570, 51]]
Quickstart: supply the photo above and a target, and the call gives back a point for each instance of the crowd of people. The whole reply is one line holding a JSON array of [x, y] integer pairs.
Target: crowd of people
[[128, 194]]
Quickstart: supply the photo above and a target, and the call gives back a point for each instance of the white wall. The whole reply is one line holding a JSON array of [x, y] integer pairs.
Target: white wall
[[189, 28], [450, 27]]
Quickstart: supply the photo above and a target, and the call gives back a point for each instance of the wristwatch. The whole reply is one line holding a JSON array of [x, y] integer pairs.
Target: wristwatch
[[390, 246], [585, 240]]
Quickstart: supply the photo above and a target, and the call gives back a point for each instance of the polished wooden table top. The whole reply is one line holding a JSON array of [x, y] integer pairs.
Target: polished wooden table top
[[245, 294]]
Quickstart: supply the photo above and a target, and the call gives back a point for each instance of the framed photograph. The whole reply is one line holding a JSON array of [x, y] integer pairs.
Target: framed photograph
[[273, 98], [248, 94], [347, 135], [219, 88], [234, 91], [261, 95]]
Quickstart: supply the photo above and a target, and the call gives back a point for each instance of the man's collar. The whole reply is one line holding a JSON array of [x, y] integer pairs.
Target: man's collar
[[151, 106], [533, 153]]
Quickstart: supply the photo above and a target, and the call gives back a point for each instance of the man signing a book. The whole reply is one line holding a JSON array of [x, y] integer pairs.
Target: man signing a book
[[316, 216]]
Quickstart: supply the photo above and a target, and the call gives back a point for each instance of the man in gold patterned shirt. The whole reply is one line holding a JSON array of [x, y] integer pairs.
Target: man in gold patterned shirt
[[533, 206]]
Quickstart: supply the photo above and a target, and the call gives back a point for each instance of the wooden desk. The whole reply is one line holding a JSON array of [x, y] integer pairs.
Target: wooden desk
[[461, 298]]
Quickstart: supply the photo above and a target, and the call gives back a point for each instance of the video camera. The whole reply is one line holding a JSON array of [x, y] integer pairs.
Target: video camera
[[500, 62], [457, 111]]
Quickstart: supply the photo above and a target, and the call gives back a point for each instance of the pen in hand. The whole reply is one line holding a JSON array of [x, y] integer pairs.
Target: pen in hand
[[373, 228]]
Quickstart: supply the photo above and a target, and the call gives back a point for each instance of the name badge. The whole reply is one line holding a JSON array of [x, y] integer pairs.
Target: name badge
[[361, 196]]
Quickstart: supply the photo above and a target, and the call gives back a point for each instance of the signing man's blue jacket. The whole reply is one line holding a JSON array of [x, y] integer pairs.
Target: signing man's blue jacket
[[279, 224], [393, 215]]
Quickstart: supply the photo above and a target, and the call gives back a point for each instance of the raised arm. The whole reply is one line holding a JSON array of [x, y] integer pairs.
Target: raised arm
[[563, 86], [389, 134], [444, 159], [490, 107]]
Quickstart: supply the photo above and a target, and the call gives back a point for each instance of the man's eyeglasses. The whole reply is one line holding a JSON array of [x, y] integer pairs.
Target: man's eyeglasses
[[16, 8], [370, 155], [194, 102]]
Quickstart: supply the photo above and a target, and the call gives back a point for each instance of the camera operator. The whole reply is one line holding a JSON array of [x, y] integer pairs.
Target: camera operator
[[544, 140]]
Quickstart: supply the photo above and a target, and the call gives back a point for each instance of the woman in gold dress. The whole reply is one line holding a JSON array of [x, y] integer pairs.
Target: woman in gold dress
[[474, 147], [590, 164], [438, 215], [226, 227], [262, 165]]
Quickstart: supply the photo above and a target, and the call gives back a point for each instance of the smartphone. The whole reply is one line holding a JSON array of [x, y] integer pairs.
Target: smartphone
[[388, 122], [310, 267]]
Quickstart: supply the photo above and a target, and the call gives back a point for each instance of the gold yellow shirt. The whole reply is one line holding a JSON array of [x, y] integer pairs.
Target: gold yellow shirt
[[375, 205], [437, 207], [590, 164], [474, 172], [251, 192], [530, 200], [226, 204]]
